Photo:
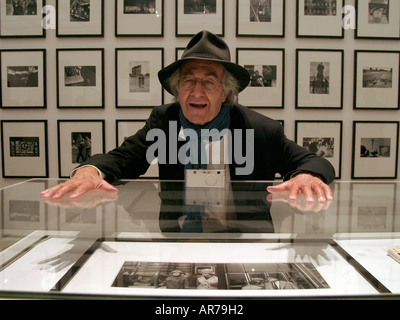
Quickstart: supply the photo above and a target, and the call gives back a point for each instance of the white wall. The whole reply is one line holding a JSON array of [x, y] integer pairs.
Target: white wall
[[289, 114]]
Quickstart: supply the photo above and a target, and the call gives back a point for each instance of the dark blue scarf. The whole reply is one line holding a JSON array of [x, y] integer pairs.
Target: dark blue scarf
[[220, 122]]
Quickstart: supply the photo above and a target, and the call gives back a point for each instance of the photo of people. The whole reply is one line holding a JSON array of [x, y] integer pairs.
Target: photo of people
[[80, 10], [320, 7], [80, 76], [139, 6], [260, 10], [377, 77], [139, 76], [22, 76], [262, 75], [323, 147], [21, 7], [81, 144], [378, 11], [200, 6], [375, 147], [319, 77]]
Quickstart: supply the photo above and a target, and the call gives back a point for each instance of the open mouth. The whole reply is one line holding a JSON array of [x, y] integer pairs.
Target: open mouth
[[198, 105]]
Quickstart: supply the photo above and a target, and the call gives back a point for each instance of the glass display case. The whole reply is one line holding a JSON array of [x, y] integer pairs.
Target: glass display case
[[160, 239]]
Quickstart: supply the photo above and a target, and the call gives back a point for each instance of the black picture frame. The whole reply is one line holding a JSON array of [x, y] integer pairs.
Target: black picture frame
[[84, 21], [84, 78], [375, 150], [24, 145], [270, 24], [23, 73], [370, 92], [385, 25], [135, 88], [26, 23], [319, 78], [70, 151], [319, 22], [189, 21], [148, 22], [324, 138]]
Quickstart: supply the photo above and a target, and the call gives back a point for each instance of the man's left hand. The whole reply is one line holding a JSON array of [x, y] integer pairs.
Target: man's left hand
[[307, 184]]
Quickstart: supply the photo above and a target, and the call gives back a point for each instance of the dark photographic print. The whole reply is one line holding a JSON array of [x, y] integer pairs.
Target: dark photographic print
[[139, 6], [139, 76], [80, 10], [80, 76], [319, 77], [375, 147], [24, 210], [200, 6], [24, 147], [378, 12], [81, 144], [323, 147], [21, 7], [21, 76], [260, 10], [219, 276], [262, 75], [377, 77], [320, 7]]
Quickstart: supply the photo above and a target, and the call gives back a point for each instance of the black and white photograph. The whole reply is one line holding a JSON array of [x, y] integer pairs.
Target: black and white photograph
[[78, 140], [376, 80], [24, 148], [195, 15], [80, 78], [320, 19], [23, 74], [21, 18], [319, 79], [324, 138], [78, 18], [139, 18], [378, 19], [260, 18], [266, 69], [375, 149], [137, 83]]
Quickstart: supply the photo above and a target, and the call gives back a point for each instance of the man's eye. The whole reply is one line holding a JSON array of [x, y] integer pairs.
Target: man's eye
[[209, 82]]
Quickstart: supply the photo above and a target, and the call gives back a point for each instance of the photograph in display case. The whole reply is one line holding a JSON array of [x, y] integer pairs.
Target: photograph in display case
[[23, 78], [320, 19], [24, 149], [375, 149], [80, 78], [195, 15], [139, 18], [319, 79], [127, 128], [266, 68], [22, 19], [378, 19], [260, 18], [80, 18], [78, 140], [324, 138], [136, 80], [376, 76]]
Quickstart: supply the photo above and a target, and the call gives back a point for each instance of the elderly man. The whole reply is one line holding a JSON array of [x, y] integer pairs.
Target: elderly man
[[205, 84]]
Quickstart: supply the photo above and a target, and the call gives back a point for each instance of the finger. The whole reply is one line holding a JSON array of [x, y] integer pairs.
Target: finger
[[320, 193], [328, 191], [293, 192], [104, 185], [308, 193], [279, 188]]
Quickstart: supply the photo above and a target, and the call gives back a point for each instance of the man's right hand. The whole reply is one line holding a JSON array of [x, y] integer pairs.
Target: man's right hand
[[84, 180]]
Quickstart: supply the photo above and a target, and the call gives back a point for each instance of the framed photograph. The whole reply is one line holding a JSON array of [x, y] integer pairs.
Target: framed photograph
[[22, 19], [136, 77], [127, 128], [320, 19], [192, 16], [23, 78], [375, 149], [139, 18], [267, 77], [80, 78], [24, 148], [377, 80], [378, 19], [256, 18], [80, 18], [324, 138], [78, 140], [319, 79]]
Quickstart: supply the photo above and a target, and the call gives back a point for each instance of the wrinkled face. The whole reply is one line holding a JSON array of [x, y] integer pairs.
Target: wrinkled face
[[199, 105]]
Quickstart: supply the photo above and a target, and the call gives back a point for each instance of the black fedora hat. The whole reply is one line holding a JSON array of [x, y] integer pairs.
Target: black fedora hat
[[206, 46]]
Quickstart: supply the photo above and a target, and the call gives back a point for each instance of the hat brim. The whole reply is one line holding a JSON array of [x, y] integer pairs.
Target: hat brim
[[237, 71]]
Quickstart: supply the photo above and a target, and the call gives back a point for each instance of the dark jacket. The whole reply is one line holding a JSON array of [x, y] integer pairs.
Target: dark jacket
[[274, 153]]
